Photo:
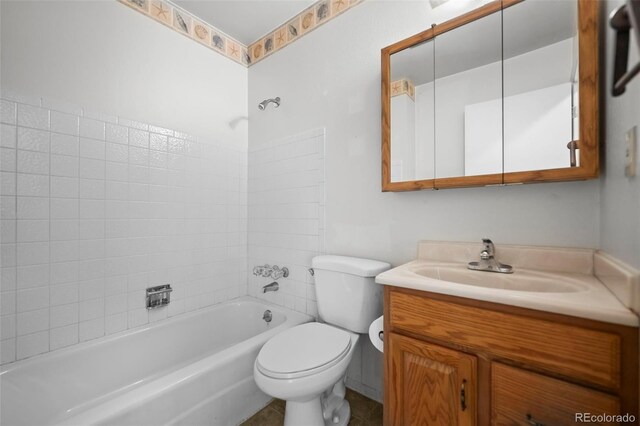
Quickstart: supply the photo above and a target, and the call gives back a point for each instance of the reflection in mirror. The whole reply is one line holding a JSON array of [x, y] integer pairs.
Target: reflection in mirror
[[412, 113], [468, 95], [541, 85]]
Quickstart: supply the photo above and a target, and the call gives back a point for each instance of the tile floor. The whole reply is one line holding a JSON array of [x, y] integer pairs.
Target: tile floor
[[364, 412]]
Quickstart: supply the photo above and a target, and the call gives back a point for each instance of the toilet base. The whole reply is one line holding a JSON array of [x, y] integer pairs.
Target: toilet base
[[335, 408], [303, 413], [309, 413], [343, 416]]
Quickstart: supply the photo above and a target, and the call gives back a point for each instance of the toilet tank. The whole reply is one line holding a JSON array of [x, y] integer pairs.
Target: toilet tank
[[346, 292]]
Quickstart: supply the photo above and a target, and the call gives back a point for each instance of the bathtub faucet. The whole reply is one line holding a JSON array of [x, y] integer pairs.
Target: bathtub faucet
[[271, 287]]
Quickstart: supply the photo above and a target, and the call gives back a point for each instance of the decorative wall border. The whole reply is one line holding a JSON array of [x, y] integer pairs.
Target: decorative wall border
[[187, 24], [303, 23], [403, 86]]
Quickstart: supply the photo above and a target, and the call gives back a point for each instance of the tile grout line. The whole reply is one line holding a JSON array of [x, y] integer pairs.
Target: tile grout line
[[15, 248], [77, 279], [49, 241], [104, 234]]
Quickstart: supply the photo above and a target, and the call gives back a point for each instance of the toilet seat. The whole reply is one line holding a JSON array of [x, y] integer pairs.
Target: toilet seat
[[303, 350]]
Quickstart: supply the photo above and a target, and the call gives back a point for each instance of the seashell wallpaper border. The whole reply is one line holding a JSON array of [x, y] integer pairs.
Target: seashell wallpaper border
[[403, 86], [187, 24], [176, 18], [306, 21]]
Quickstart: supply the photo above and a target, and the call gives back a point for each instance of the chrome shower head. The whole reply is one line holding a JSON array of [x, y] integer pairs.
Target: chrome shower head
[[262, 105]]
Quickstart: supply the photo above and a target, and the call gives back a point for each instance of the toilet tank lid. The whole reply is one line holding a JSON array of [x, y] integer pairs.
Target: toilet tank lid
[[350, 265]]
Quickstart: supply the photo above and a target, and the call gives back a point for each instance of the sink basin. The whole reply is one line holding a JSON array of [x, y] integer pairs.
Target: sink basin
[[559, 280], [518, 281]]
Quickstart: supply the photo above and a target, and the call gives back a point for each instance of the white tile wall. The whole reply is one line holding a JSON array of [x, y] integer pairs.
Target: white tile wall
[[286, 215], [287, 226], [95, 208]]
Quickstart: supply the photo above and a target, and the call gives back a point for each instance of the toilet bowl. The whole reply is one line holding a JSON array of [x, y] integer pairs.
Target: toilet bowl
[[307, 364], [306, 367]]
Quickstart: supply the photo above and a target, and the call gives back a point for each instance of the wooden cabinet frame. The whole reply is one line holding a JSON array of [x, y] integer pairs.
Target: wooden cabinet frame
[[589, 168]]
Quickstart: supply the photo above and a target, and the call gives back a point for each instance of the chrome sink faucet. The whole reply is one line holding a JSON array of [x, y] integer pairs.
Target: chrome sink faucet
[[488, 262]]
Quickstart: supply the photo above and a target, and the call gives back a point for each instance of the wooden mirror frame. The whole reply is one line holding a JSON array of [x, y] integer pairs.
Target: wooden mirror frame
[[589, 168]]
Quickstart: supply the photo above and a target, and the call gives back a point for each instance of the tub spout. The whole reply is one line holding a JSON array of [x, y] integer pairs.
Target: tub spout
[[274, 286]]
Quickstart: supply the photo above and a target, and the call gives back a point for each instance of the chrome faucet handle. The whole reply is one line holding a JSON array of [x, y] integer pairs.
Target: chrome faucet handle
[[266, 271], [262, 270], [278, 272]]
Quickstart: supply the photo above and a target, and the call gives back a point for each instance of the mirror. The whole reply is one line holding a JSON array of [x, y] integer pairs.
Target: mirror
[[412, 113], [468, 90], [504, 94], [541, 92]]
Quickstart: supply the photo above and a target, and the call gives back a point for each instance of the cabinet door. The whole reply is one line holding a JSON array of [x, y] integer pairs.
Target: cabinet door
[[429, 385], [520, 397]]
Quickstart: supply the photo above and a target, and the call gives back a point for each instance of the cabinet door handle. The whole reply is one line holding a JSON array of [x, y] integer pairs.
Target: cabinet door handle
[[463, 396], [533, 422]]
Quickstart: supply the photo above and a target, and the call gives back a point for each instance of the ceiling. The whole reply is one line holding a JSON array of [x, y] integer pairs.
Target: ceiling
[[245, 20]]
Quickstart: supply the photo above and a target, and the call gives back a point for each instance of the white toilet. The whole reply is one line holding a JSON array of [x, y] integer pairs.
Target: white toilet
[[306, 365]]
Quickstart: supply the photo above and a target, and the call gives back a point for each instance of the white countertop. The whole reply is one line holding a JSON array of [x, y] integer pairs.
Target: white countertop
[[595, 301]]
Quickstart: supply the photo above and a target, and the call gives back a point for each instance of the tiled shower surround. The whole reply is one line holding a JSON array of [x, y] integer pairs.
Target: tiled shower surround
[[286, 215], [96, 208], [287, 228]]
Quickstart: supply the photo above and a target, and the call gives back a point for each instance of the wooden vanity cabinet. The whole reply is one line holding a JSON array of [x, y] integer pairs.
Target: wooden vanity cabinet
[[455, 361]]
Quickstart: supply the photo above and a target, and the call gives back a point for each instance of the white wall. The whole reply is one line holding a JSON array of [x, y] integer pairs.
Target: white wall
[[620, 225], [331, 78], [96, 207], [107, 57]]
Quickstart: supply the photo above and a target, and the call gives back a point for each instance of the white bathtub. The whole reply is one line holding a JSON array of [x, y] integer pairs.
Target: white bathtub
[[195, 369]]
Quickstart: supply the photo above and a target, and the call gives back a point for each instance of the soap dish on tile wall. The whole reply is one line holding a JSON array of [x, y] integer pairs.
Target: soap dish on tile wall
[[158, 296]]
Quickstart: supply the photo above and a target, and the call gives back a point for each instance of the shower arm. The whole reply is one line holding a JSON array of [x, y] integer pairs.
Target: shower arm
[[263, 105]]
